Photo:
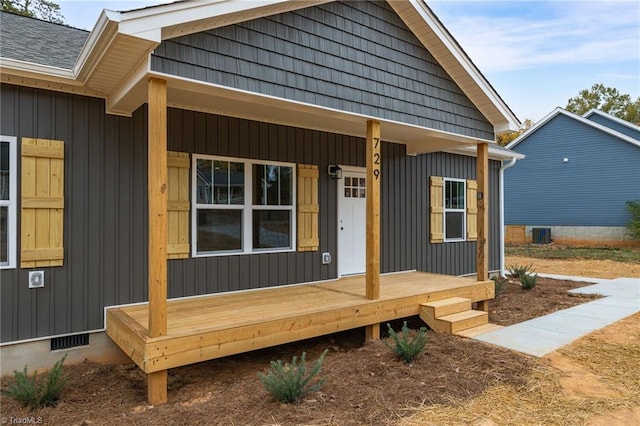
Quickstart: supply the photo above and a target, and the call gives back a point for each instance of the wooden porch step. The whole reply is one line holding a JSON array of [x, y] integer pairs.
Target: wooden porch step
[[452, 315], [464, 320], [449, 306], [477, 331]]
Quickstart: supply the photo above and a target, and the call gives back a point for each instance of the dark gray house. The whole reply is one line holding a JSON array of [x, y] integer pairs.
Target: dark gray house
[[579, 173], [266, 109]]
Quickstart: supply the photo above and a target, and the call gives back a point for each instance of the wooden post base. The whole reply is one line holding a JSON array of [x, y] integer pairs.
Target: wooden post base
[[157, 388], [372, 332], [483, 305]]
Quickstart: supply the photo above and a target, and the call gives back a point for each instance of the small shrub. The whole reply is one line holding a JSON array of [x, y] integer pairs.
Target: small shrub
[[407, 347], [289, 382], [37, 391], [499, 283], [517, 271], [528, 281], [634, 224]]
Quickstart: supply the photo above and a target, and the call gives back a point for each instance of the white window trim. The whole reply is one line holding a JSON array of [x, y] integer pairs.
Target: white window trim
[[247, 208], [445, 210], [12, 202]]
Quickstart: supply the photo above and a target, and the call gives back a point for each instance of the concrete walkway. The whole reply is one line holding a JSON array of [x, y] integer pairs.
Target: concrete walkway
[[543, 335]]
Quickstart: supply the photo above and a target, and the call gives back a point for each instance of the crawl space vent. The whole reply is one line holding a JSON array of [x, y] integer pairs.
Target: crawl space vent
[[67, 342]]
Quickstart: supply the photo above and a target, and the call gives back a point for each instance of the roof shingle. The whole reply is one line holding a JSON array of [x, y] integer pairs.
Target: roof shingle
[[40, 42]]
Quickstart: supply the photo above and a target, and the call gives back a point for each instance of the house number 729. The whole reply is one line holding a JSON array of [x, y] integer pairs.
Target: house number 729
[[376, 159]]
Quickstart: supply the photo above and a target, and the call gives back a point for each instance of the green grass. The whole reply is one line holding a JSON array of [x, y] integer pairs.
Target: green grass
[[626, 255]]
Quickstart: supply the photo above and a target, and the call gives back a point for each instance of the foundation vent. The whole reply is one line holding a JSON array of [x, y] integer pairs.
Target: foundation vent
[[67, 342]]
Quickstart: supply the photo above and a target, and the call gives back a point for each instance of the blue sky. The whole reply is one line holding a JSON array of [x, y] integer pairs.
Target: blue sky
[[537, 55]]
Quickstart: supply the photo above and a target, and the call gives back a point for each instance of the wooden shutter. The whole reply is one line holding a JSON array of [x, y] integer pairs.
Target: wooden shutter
[[436, 209], [308, 208], [472, 210], [42, 204], [177, 205]]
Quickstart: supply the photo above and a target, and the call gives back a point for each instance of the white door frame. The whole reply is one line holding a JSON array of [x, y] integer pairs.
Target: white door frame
[[346, 169]]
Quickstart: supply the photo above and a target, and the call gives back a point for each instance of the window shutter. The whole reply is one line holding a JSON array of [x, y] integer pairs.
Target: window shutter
[[436, 209], [42, 205], [308, 208], [178, 205], [472, 210]]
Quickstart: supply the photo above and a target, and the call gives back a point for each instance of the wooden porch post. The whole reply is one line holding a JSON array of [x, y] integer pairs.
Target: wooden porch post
[[482, 167], [374, 175], [157, 266]]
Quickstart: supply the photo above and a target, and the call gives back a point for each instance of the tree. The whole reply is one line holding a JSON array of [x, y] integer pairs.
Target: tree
[[607, 99], [505, 138], [40, 9]]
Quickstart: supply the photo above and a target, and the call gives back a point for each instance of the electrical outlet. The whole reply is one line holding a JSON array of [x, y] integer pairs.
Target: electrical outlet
[[36, 279], [326, 258]]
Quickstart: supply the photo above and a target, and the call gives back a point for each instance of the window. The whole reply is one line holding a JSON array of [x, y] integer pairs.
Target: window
[[454, 210], [8, 200], [242, 206]]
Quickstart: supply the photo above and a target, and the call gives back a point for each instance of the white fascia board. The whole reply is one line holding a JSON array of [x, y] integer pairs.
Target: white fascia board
[[577, 118], [31, 70], [181, 18], [494, 153], [533, 128], [612, 118], [102, 35], [461, 57], [126, 87]]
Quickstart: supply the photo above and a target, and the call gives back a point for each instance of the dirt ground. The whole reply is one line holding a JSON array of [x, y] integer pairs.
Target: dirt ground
[[578, 267], [365, 384]]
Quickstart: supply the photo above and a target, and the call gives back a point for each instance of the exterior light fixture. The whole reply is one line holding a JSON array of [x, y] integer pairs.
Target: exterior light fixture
[[335, 172]]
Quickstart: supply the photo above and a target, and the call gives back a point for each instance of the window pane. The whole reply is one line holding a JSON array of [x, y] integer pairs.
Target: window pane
[[205, 181], [220, 182], [454, 195], [4, 170], [4, 235], [454, 222], [271, 229], [272, 185], [219, 230]]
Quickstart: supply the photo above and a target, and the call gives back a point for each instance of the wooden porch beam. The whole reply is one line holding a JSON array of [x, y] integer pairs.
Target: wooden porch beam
[[374, 176], [482, 167], [157, 198]]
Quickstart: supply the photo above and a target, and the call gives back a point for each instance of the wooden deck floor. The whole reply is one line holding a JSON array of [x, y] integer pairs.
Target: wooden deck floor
[[213, 326]]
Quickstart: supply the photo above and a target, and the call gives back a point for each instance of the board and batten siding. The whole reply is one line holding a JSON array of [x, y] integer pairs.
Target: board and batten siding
[[104, 216], [105, 230], [404, 211], [354, 56], [591, 189]]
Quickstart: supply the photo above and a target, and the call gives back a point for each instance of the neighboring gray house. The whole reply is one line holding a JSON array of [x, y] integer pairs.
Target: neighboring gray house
[[261, 98], [577, 176]]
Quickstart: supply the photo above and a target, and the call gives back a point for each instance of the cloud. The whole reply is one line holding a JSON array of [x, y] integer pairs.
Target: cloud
[[525, 35]]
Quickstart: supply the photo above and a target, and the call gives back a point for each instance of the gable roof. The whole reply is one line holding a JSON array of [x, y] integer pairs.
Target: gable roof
[[589, 114], [577, 118], [114, 63]]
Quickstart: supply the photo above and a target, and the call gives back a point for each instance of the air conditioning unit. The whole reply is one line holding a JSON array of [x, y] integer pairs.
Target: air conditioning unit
[[541, 235]]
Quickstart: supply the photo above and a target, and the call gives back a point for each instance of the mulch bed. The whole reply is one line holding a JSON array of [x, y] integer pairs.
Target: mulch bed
[[364, 383]]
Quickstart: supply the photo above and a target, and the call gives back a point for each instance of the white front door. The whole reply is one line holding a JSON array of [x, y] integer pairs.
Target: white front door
[[352, 208]]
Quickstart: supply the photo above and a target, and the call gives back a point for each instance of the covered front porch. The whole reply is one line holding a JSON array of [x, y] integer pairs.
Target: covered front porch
[[213, 326]]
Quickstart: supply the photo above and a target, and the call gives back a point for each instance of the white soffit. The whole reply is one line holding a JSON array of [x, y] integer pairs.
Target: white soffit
[[216, 99]]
